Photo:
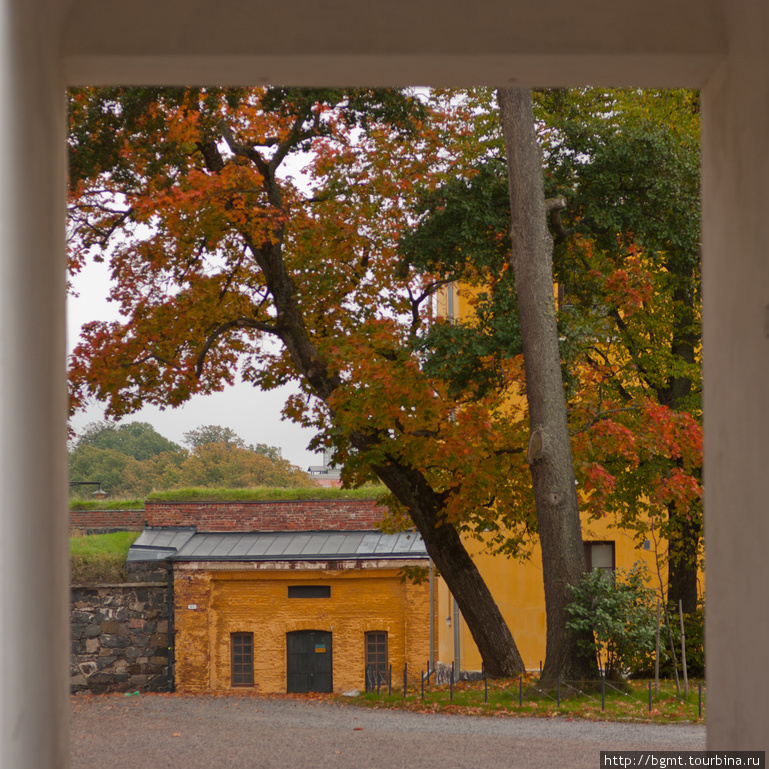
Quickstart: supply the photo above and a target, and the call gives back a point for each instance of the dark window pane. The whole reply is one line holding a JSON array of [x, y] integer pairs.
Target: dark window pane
[[242, 647], [376, 659], [309, 591]]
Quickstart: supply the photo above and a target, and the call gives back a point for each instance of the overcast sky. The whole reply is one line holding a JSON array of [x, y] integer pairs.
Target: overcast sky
[[251, 413]]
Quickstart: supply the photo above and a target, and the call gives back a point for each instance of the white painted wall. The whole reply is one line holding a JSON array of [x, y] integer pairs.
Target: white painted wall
[[34, 637], [736, 378]]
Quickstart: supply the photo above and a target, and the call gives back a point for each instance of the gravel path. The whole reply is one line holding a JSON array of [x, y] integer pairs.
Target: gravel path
[[237, 732]]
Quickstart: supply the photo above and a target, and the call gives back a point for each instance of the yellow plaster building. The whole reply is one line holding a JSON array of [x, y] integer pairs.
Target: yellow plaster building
[[290, 611], [517, 585], [518, 590]]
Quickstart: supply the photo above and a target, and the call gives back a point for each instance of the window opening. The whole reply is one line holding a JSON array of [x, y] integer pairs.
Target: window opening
[[242, 656], [376, 660], [309, 591], [599, 555]]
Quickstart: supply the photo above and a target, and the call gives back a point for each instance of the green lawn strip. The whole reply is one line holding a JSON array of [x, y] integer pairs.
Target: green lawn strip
[[99, 558], [111, 504], [263, 494], [630, 703]]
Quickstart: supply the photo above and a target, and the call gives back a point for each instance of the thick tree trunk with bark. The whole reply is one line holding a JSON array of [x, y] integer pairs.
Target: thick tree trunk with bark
[[444, 545], [485, 621], [683, 555], [549, 454]]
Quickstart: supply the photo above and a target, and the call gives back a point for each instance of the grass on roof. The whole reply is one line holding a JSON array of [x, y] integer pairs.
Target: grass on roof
[[99, 558], [200, 494], [106, 504], [263, 494]]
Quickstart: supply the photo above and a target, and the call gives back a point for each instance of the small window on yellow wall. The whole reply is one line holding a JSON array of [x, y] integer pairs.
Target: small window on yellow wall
[[599, 555], [242, 656]]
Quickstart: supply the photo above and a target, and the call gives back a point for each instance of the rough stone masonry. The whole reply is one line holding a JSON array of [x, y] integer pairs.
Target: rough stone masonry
[[119, 637]]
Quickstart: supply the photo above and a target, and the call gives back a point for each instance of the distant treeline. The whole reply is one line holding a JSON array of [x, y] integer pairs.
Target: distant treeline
[[133, 460]]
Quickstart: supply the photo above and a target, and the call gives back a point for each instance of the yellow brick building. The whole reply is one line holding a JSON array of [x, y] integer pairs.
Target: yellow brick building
[[294, 612]]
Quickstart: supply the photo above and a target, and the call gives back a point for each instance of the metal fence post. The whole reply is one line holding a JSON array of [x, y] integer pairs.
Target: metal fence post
[[520, 691], [650, 695], [699, 705], [405, 678], [603, 691], [485, 685], [558, 691], [390, 681], [451, 684]]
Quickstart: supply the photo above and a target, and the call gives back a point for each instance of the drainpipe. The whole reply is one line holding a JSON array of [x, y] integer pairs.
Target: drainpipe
[[456, 641], [432, 616], [170, 612]]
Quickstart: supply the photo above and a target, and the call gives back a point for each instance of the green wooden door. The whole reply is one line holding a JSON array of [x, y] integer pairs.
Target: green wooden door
[[309, 661]]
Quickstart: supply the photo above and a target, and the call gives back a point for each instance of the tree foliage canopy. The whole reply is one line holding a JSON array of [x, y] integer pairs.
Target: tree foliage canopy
[[149, 462], [224, 265], [628, 262]]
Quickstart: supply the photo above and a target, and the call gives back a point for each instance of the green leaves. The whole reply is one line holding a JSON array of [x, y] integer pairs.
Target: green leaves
[[132, 459], [618, 609]]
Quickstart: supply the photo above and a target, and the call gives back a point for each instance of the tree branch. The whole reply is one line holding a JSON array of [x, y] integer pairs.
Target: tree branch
[[225, 328]]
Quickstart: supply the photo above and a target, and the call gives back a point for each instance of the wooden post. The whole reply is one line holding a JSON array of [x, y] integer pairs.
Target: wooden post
[[683, 649], [657, 655]]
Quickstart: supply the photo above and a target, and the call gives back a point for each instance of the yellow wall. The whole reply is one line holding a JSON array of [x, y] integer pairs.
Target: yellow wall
[[230, 601], [517, 588]]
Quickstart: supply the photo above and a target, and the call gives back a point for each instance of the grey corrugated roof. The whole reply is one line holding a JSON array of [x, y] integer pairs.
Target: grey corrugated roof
[[188, 545], [157, 544]]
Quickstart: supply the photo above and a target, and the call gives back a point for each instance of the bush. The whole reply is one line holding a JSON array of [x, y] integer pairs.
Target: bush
[[618, 608]]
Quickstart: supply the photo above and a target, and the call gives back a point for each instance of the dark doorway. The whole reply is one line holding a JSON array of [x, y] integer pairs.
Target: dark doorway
[[309, 661]]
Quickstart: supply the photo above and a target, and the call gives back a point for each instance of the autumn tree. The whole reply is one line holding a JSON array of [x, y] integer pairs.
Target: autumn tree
[[205, 434], [129, 459], [139, 440], [223, 264], [626, 236], [220, 458], [132, 459], [628, 263]]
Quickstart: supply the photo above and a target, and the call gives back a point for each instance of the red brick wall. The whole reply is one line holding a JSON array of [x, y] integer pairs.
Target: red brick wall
[[106, 519], [298, 515]]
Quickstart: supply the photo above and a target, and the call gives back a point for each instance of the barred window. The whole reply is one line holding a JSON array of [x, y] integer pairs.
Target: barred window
[[376, 659], [242, 656]]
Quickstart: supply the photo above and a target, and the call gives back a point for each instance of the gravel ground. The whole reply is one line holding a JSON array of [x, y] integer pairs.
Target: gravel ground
[[250, 732]]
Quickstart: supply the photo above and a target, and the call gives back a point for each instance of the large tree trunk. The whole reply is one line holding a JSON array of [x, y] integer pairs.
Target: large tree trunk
[[683, 555], [491, 634], [549, 455], [444, 545]]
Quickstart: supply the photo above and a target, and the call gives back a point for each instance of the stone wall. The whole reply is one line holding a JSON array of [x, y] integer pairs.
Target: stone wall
[[273, 515], [120, 637]]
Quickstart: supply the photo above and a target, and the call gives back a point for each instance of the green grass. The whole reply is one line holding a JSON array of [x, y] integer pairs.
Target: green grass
[[112, 504], [263, 494], [99, 558], [628, 702]]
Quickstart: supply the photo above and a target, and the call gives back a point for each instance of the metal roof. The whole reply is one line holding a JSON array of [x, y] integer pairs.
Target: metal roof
[[189, 545], [157, 544]]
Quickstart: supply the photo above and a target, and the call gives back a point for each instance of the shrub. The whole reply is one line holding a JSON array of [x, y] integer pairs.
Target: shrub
[[619, 609]]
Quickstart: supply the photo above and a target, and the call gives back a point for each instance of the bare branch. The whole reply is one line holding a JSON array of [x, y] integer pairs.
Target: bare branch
[[600, 416], [223, 329]]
